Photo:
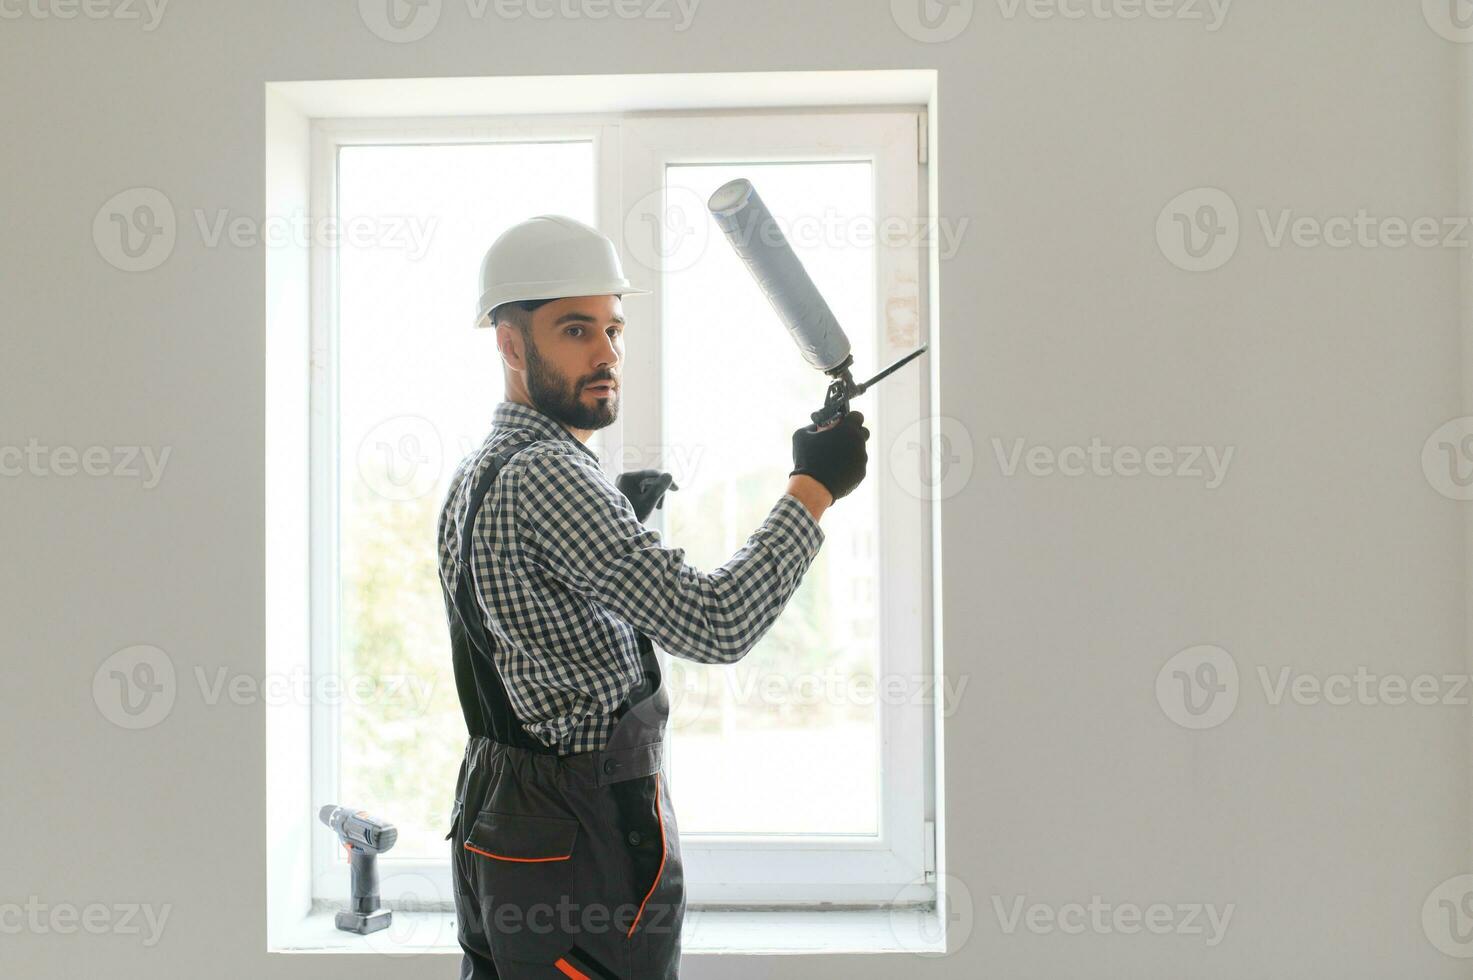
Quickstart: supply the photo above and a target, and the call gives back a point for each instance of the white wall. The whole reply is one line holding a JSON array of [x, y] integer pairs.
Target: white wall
[[1060, 141]]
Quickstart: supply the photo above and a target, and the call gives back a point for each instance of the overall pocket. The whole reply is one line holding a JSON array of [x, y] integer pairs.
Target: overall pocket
[[462, 787], [454, 818], [523, 868]]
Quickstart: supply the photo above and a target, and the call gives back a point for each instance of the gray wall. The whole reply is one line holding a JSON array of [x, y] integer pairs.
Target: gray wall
[[1060, 141]]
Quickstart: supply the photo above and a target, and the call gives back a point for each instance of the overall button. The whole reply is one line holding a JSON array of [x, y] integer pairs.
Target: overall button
[[634, 838], [610, 765]]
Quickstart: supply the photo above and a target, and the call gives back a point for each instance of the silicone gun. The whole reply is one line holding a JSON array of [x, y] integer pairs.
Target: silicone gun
[[762, 246]]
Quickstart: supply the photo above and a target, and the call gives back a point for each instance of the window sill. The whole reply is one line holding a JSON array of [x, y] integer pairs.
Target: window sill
[[706, 932]]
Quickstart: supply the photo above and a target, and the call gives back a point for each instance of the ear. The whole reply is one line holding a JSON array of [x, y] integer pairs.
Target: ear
[[509, 342]]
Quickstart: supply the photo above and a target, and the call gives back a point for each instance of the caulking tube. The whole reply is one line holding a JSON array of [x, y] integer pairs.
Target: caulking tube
[[760, 243]]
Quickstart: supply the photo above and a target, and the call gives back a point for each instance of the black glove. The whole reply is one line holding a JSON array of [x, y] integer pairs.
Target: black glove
[[834, 457], [645, 489]]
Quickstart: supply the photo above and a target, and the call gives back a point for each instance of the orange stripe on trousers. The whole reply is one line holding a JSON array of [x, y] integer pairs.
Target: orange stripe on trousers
[[570, 969], [660, 816]]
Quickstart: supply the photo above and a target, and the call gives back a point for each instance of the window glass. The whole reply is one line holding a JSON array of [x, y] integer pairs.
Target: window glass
[[787, 740], [417, 387]]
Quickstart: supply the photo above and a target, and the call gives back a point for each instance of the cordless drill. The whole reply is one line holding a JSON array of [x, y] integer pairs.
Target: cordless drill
[[364, 838]]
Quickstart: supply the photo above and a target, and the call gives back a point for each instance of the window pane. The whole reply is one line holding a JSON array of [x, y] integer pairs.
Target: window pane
[[417, 388], [785, 741]]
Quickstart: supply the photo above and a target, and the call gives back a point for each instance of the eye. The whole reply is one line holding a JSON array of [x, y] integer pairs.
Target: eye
[[574, 331]]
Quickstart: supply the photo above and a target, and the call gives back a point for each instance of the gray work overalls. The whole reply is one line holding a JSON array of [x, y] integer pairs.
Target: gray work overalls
[[563, 866]]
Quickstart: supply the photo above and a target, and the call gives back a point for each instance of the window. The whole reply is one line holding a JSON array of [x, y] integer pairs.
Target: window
[[795, 776], [798, 773], [416, 386]]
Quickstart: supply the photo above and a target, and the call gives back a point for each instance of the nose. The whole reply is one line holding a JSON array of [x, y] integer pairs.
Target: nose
[[605, 354]]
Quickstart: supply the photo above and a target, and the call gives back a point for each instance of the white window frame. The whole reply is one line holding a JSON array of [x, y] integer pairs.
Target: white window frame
[[731, 870], [894, 868]]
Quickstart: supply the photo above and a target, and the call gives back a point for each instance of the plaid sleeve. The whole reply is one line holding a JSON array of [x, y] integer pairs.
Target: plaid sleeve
[[576, 525]]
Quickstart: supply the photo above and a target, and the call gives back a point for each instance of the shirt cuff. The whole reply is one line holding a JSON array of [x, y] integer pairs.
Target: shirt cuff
[[792, 517]]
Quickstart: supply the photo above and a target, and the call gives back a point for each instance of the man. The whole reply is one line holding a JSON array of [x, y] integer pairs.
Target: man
[[566, 852]]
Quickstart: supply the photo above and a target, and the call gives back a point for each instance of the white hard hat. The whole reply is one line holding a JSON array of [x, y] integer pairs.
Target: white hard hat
[[549, 257]]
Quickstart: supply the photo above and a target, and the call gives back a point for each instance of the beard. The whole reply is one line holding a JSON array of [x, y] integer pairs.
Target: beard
[[558, 398]]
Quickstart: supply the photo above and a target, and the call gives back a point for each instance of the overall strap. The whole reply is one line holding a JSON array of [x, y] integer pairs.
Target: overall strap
[[483, 699]]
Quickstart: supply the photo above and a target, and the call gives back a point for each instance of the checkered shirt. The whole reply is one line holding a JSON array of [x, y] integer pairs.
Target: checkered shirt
[[564, 575]]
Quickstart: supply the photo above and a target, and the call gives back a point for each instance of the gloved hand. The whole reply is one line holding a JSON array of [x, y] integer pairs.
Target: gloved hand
[[645, 489], [834, 457]]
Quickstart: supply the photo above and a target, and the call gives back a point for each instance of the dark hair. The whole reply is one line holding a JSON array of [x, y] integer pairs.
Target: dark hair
[[519, 314]]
